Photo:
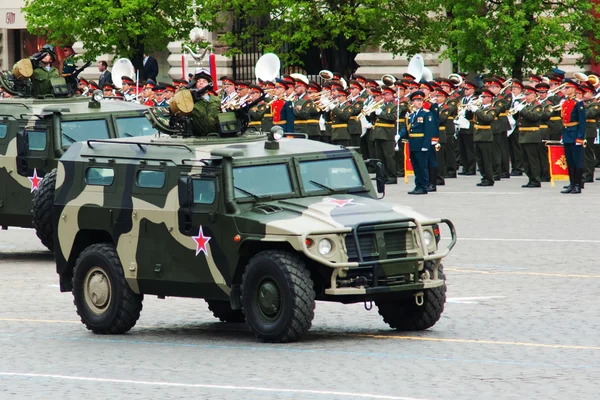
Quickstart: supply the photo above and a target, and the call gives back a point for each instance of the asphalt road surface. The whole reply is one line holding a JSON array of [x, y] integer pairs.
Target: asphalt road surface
[[522, 321]]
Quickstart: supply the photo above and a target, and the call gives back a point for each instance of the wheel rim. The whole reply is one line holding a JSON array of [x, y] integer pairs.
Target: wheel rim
[[97, 290], [268, 299]]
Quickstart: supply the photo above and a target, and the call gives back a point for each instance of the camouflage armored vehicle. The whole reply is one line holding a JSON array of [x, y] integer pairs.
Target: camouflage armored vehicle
[[34, 133], [258, 228]]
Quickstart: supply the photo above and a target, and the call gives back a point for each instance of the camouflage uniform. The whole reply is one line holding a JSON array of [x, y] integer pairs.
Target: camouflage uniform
[[42, 81], [205, 116]]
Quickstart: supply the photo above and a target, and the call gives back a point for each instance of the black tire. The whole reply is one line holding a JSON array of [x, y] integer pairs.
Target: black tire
[[41, 210], [121, 307], [222, 310], [287, 308], [405, 315]]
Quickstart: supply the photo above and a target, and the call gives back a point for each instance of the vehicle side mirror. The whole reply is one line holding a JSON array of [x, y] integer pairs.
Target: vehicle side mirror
[[22, 152], [380, 177], [185, 192]]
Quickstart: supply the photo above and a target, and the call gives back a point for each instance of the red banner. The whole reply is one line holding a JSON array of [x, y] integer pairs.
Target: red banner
[[408, 168], [558, 163]]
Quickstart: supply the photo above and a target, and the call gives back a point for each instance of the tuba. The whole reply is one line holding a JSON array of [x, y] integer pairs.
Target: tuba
[[388, 80], [267, 67], [416, 66], [456, 78], [326, 74], [122, 67]]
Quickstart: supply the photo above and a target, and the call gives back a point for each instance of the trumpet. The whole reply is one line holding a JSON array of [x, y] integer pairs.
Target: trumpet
[[315, 96], [326, 74], [235, 103], [506, 85], [557, 89], [370, 108]]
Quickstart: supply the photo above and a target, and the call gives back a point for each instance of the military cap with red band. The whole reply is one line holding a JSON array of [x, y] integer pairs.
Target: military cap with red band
[[542, 87], [529, 89], [517, 83], [487, 92], [571, 83], [470, 85], [227, 79], [440, 91], [256, 89], [108, 86], [355, 84], [418, 95], [387, 89], [127, 80]]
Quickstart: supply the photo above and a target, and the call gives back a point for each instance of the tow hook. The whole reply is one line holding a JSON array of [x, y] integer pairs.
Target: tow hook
[[368, 305], [419, 298]]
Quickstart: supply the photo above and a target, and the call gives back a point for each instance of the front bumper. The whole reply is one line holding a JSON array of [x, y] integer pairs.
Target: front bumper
[[392, 274]]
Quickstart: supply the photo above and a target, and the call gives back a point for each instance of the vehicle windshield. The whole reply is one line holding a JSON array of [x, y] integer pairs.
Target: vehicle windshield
[[79, 131], [333, 175], [134, 126], [261, 181]]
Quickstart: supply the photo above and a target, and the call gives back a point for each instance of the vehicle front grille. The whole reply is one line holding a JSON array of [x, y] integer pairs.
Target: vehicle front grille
[[386, 244]]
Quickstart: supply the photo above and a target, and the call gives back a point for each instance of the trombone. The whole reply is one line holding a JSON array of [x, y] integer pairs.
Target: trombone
[[370, 108], [506, 85], [557, 89]]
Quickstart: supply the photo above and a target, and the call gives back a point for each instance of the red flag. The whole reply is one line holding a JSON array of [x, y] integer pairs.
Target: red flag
[[558, 163], [408, 168]]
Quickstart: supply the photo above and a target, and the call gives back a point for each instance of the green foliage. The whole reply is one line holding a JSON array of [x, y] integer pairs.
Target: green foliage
[[125, 27]]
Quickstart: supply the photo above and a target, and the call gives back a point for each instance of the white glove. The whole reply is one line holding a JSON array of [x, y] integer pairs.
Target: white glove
[[330, 107], [578, 143], [378, 111], [433, 143], [472, 108], [424, 149]]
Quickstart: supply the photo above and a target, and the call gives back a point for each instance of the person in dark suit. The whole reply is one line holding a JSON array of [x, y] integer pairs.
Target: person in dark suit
[[150, 67], [105, 75]]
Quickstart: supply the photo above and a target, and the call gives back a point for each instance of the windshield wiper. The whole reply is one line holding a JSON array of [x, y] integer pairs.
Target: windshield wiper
[[246, 192], [127, 134], [332, 190], [69, 138]]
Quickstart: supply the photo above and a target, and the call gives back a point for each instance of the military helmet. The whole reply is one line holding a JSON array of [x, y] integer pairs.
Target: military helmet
[[48, 48]]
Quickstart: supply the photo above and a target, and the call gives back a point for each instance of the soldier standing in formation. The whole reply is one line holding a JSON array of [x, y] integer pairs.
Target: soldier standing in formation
[[530, 113], [384, 134], [592, 112], [573, 137], [483, 136]]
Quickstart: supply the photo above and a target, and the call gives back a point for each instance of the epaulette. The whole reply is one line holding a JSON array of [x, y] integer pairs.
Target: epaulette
[[425, 110]]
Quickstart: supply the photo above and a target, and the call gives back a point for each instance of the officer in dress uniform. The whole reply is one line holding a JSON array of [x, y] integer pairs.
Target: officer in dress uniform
[[108, 90], [420, 128], [483, 136], [384, 133], [69, 68], [592, 112], [573, 137], [403, 103], [159, 96], [530, 116], [126, 88], [281, 109], [169, 92]]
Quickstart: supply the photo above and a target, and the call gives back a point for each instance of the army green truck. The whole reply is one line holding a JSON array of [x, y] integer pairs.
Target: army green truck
[[259, 228], [35, 133]]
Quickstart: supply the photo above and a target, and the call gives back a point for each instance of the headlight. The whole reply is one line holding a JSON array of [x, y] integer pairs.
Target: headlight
[[325, 246], [428, 238], [98, 95]]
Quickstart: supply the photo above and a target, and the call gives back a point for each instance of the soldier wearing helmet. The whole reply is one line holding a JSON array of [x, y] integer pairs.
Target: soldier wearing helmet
[[43, 71]]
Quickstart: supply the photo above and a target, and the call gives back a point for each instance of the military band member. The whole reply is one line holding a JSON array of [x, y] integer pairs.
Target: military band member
[[229, 90], [483, 136], [267, 122], [446, 130], [592, 112], [500, 127], [325, 116], [340, 114], [555, 125], [280, 108], [514, 148], [300, 111], [313, 112], [401, 99], [465, 134], [420, 128], [384, 134], [530, 113], [356, 104], [108, 90], [542, 90], [256, 108], [450, 148], [169, 92], [573, 137]]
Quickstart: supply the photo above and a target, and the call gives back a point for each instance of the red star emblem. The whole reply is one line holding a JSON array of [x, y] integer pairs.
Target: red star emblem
[[201, 242], [35, 181], [338, 202]]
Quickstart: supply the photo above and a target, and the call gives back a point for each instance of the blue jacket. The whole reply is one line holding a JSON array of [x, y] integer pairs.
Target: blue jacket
[[421, 127], [574, 126], [287, 115]]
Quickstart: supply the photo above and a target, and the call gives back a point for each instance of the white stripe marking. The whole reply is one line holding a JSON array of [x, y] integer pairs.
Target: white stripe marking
[[471, 300], [204, 386], [527, 240], [484, 193]]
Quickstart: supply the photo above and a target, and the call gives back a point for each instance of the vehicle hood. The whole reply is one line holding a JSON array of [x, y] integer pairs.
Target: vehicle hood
[[319, 214]]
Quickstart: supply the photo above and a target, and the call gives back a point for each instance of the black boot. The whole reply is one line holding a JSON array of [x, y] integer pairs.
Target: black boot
[[578, 181], [570, 186]]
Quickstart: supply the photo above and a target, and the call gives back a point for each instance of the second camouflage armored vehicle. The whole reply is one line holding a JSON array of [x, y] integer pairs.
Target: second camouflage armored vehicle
[[258, 228], [34, 133]]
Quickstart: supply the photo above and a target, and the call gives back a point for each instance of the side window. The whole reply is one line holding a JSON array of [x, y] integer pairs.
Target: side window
[[150, 179], [99, 176], [204, 191], [37, 140], [3, 129]]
